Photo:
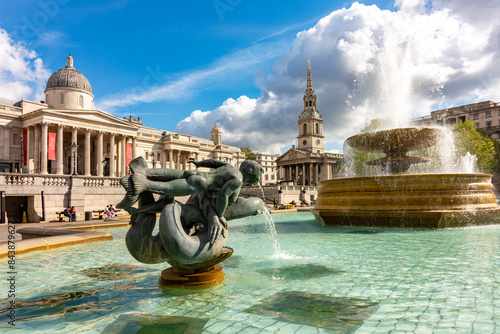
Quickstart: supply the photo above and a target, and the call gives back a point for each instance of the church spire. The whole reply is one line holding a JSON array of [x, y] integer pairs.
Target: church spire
[[309, 88]]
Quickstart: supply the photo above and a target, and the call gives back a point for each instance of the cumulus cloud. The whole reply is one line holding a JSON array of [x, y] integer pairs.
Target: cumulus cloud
[[22, 72], [368, 63]]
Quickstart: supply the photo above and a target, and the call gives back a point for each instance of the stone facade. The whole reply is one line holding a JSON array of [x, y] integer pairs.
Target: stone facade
[[76, 154], [486, 116], [268, 162]]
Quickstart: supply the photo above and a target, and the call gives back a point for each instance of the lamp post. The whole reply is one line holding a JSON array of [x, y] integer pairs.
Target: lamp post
[[74, 148], [21, 139], [153, 155]]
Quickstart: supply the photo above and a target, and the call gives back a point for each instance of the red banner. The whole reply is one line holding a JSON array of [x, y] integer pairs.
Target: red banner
[[128, 154], [52, 146], [25, 147]]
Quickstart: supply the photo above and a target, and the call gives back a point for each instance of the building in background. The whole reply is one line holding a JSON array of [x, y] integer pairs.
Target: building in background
[[62, 152], [486, 116], [307, 164], [268, 162]]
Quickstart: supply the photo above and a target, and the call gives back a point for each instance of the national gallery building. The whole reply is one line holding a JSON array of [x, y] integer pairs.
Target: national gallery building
[[62, 152]]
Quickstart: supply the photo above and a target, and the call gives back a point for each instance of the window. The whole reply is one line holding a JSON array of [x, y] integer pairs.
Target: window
[[147, 155], [272, 177], [317, 128], [475, 116], [476, 124], [305, 129], [80, 101], [61, 99], [488, 114], [488, 125], [267, 177]]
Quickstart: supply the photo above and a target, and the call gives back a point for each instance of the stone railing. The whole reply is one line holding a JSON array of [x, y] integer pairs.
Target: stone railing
[[58, 181], [19, 179]]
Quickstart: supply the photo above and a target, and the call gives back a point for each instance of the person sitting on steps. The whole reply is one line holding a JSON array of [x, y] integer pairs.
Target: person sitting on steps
[[224, 180]]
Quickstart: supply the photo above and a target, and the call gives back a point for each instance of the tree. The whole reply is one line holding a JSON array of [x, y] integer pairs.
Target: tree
[[468, 138], [354, 160], [248, 153]]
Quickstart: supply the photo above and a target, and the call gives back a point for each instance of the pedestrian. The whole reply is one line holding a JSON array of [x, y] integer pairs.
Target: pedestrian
[[275, 202], [107, 213], [72, 214]]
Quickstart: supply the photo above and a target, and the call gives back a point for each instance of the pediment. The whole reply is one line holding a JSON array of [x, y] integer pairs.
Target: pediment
[[292, 154]]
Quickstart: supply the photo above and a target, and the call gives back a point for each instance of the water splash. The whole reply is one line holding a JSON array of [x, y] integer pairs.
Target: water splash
[[271, 228], [468, 163], [262, 192]]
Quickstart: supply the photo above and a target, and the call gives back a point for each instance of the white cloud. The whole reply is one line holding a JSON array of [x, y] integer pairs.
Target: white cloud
[[369, 63], [22, 72]]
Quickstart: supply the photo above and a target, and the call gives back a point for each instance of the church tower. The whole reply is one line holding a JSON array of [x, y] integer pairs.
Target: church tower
[[310, 122]]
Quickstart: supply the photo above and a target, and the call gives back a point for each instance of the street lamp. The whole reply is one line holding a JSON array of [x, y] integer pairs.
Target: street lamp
[[21, 139], [153, 155], [74, 148]]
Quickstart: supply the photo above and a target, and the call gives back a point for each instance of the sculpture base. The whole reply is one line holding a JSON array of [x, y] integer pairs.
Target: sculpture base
[[191, 278]]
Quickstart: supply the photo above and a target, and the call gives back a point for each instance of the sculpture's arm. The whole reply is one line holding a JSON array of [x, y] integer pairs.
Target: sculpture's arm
[[209, 163], [214, 225], [227, 190]]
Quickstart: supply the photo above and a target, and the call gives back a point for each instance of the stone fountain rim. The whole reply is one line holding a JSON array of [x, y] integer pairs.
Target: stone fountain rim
[[408, 176]]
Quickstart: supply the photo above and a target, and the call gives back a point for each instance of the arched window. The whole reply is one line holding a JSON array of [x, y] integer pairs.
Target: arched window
[[310, 103], [317, 128], [80, 101], [305, 129], [61, 99]]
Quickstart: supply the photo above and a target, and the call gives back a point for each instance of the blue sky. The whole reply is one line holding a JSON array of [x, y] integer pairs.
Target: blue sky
[[185, 65]]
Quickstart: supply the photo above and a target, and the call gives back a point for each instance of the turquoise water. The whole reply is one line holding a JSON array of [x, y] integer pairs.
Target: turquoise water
[[325, 280]]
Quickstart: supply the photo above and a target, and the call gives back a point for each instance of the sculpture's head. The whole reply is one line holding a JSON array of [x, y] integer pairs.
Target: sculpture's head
[[251, 171]]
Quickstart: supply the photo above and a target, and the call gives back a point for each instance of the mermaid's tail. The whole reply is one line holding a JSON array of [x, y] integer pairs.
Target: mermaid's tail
[[138, 183], [130, 196], [138, 165]]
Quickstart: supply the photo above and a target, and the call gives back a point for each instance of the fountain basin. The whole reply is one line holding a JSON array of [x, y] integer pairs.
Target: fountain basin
[[418, 200]]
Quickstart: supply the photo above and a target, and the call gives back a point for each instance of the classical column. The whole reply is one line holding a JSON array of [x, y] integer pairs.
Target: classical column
[[100, 156], [36, 149], [164, 159], [59, 150], [296, 180], [87, 153], [316, 179], [170, 158], [45, 133], [123, 153], [112, 163], [303, 174], [134, 147], [29, 152], [74, 140], [6, 142], [311, 174]]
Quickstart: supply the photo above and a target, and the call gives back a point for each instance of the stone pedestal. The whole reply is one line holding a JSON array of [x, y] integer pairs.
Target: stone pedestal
[[191, 278]]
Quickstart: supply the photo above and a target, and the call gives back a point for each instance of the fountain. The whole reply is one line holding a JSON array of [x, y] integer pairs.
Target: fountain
[[405, 200], [191, 236]]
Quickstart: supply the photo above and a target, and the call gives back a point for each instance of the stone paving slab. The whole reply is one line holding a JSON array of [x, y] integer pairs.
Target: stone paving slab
[[44, 236]]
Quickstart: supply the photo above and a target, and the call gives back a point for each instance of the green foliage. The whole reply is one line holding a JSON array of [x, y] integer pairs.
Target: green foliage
[[354, 160], [248, 153], [469, 139]]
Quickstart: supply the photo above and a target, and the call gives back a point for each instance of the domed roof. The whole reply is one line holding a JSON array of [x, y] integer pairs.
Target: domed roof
[[69, 77], [216, 129]]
